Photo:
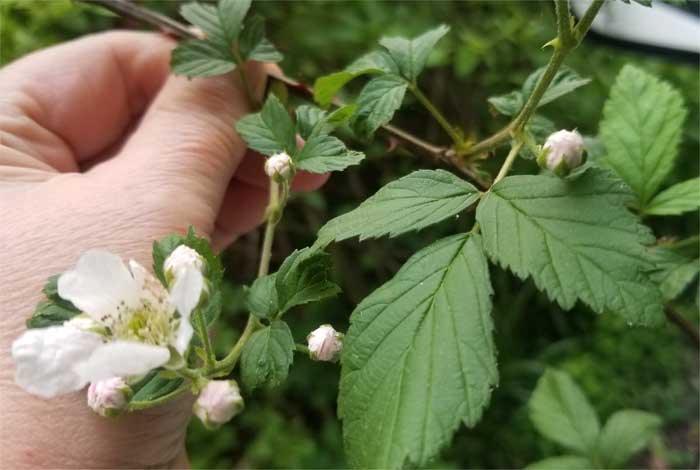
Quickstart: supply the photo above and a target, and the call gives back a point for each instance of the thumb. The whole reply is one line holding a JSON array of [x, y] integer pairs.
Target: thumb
[[187, 136]]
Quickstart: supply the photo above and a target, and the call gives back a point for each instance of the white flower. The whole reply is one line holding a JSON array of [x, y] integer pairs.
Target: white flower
[[563, 151], [133, 309], [180, 260], [325, 343], [109, 397], [278, 166], [219, 401]]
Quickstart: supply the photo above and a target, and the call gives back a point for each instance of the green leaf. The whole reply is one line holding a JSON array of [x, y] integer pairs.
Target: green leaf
[[675, 272], [376, 62], [576, 239], [641, 129], [411, 54], [565, 81], [324, 153], [416, 201], [231, 15], [253, 45], [419, 359], [679, 198], [508, 104], [196, 58], [206, 17], [562, 462], [151, 387], [267, 356], [271, 130], [261, 298], [561, 412], [303, 277], [377, 103], [307, 117], [626, 433], [54, 310], [51, 313]]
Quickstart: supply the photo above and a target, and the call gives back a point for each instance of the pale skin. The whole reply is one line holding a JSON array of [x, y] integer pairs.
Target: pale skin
[[101, 148]]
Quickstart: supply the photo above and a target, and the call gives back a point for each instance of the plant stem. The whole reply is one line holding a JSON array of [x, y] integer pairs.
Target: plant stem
[[301, 348], [275, 206], [141, 405], [252, 101], [563, 44], [505, 168], [203, 333], [432, 109]]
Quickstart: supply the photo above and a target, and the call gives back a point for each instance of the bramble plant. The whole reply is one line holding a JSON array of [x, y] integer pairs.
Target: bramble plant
[[419, 359]]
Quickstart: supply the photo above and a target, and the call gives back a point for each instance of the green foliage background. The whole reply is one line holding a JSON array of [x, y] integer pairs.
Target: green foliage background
[[492, 47]]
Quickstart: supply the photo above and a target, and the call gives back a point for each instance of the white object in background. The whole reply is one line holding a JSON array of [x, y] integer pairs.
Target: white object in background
[[660, 25]]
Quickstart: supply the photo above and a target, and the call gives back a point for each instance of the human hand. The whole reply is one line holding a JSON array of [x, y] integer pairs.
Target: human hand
[[100, 148]]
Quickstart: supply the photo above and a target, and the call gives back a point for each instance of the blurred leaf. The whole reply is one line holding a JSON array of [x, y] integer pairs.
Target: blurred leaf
[[151, 387], [626, 433], [508, 104], [675, 272], [641, 129], [373, 63], [679, 198], [254, 46], [231, 15], [267, 356], [324, 153], [416, 201], [303, 277], [270, 131], [377, 103], [411, 54], [51, 313], [576, 239], [562, 462], [562, 413], [419, 358], [196, 58], [565, 81]]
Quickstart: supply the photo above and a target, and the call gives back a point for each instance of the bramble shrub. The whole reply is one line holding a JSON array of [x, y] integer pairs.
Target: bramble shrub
[[419, 358]]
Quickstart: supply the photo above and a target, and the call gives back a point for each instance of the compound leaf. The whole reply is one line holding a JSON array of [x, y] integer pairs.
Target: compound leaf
[[419, 358], [416, 201], [576, 239]]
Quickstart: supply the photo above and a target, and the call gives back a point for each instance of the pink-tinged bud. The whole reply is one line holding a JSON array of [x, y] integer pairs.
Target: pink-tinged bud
[[109, 397], [278, 166], [218, 402], [325, 344], [562, 152], [180, 260]]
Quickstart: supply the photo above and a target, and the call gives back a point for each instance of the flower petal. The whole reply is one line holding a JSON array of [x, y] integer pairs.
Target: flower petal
[[45, 358], [184, 335], [186, 291], [122, 359], [98, 284]]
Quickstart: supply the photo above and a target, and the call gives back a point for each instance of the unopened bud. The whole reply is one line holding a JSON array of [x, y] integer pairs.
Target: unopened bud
[[562, 152], [218, 402], [278, 166], [180, 260], [325, 343], [109, 397]]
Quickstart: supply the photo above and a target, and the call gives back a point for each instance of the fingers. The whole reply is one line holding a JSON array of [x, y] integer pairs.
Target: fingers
[[81, 96], [187, 136]]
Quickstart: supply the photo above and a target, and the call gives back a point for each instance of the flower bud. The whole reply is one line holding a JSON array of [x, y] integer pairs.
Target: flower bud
[[325, 343], [218, 402], [278, 166], [109, 397], [562, 152], [181, 259]]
